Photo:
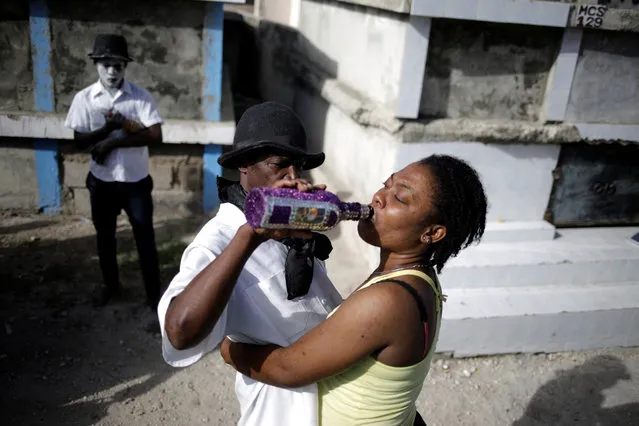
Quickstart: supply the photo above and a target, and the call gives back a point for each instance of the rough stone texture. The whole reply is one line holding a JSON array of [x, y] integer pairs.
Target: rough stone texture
[[19, 188], [484, 70], [499, 131], [165, 41], [16, 84], [177, 167], [605, 88]]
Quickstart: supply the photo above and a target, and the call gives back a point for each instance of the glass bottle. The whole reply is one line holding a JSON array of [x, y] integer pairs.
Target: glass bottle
[[285, 208]]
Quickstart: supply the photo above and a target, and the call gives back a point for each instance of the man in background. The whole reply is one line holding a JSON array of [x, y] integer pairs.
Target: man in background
[[116, 121]]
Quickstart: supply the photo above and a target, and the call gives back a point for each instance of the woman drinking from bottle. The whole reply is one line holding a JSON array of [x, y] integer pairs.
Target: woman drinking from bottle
[[371, 356]]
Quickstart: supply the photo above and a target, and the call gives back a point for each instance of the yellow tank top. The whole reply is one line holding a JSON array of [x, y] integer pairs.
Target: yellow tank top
[[374, 393]]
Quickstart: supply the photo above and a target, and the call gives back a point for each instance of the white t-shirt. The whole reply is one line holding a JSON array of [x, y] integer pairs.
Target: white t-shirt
[[86, 114], [258, 312]]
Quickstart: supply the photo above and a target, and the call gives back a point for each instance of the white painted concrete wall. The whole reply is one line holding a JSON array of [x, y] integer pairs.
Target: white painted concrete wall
[[362, 48], [275, 10], [357, 156], [517, 178], [358, 160]]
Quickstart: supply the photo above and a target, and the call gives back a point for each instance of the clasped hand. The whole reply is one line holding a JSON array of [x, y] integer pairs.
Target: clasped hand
[[114, 120], [302, 185], [101, 150]]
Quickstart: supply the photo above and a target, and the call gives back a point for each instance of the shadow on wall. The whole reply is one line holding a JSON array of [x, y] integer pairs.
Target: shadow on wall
[[288, 59], [242, 62], [270, 65], [65, 361], [576, 397]]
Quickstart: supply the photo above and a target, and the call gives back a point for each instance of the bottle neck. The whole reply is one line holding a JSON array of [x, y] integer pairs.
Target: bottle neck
[[355, 211]]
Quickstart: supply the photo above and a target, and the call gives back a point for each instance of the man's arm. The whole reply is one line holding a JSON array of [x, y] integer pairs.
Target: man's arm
[[193, 313], [147, 136], [85, 140]]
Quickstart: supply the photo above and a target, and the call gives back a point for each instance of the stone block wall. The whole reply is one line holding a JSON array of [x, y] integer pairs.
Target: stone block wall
[[165, 42], [606, 83], [16, 85], [487, 71], [176, 171], [18, 180]]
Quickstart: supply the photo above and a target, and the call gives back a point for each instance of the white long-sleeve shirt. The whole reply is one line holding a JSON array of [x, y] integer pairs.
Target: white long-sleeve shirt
[[258, 312]]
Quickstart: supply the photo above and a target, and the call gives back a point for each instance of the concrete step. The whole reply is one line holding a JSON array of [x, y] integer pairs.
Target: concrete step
[[540, 319], [576, 256], [518, 231]]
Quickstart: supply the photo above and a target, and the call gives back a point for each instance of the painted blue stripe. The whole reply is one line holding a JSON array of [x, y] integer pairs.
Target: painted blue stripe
[[41, 55], [212, 40], [46, 150], [46, 161], [211, 171]]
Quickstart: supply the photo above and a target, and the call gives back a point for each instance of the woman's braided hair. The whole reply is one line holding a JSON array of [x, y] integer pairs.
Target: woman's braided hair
[[459, 204]]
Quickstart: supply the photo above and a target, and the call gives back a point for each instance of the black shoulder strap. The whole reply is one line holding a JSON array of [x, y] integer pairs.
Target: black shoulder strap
[[413, 292]]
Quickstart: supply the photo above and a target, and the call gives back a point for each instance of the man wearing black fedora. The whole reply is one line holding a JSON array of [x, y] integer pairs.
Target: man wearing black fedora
[[276, 294], [116, 121]]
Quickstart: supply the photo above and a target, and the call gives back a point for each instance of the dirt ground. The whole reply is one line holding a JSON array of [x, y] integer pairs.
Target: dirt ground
[[63, 362]]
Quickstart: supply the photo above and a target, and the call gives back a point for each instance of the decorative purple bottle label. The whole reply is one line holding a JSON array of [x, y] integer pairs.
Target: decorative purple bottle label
[[291, 209]]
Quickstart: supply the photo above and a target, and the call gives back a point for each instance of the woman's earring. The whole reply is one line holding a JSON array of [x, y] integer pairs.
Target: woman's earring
[[426, 239]]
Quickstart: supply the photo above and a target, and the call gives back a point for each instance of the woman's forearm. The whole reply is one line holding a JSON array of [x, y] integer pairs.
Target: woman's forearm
[[266, 364]]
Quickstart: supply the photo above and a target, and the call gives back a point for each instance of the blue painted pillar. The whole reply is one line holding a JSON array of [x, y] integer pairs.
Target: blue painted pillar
[[46, 150], [212, 38]]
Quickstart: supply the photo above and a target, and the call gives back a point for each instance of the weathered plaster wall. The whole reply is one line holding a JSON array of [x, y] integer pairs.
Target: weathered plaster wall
[[165, 40], [605, 88], [517, 190], [363, 47], [358, 160], [275, 10], [19, 183], [487, 71], [16, 82]]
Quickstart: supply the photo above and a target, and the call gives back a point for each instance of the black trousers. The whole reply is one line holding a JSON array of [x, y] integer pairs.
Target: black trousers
[[107, 200]]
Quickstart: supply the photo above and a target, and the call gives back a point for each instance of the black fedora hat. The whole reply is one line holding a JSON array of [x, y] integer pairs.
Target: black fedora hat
[[269, 128], [110, 46]]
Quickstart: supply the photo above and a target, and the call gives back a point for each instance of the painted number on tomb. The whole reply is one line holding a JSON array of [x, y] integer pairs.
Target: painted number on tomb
[[590, 16]]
